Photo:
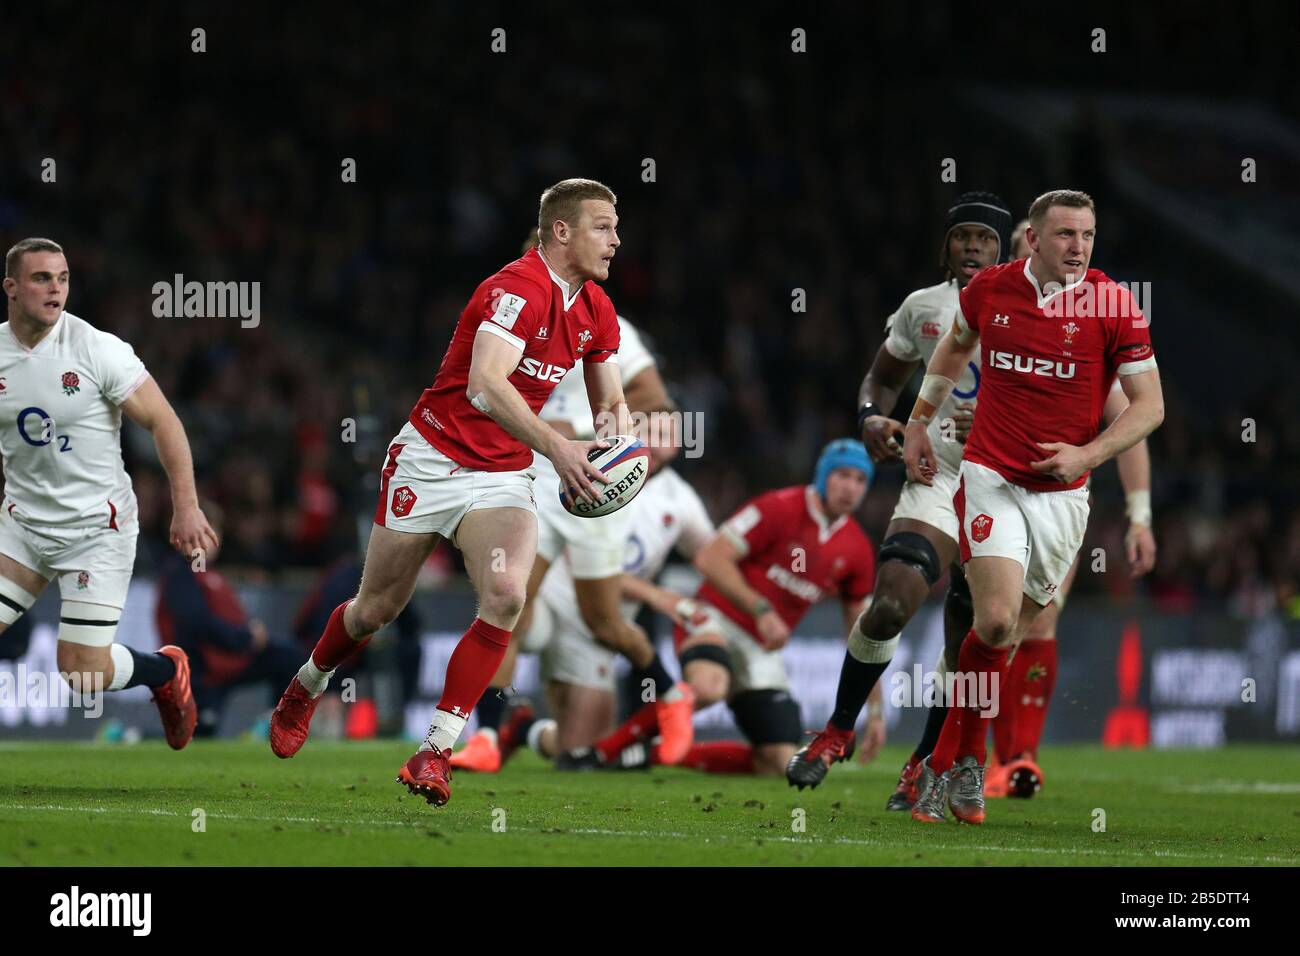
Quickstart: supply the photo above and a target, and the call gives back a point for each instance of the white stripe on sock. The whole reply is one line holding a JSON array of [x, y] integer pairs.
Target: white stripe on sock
[[123, 666]]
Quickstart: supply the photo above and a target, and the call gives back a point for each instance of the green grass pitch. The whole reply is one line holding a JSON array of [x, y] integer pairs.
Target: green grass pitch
[[337, 804]]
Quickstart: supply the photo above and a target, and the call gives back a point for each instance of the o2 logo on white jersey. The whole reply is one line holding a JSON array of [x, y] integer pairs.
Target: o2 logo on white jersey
[[1029, 365], [544, 371], [633, 554], [47, 429], [958, 393]]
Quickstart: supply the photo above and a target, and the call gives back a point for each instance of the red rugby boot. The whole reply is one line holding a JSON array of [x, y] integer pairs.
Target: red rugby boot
[[175, 701], [428, 774], [676, 725], [480, 754], [1024, 777], [808, 766], [291, 719]]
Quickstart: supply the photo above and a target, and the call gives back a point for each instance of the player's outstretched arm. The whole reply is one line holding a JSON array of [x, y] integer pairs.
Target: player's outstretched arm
[[609, 409], [877, 396], [951, 355], [1135, 476], [681, 609], [149, 408], [489, 390]]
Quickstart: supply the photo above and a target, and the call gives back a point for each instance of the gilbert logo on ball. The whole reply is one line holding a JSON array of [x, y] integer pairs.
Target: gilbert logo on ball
[[626, 463]]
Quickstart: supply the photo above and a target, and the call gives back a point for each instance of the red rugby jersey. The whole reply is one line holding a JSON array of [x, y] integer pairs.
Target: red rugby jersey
[[793, 557], [1046, 364], [532, 308]]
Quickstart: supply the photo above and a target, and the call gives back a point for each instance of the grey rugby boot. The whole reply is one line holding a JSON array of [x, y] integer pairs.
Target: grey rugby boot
[[966, 791], [932, 794]]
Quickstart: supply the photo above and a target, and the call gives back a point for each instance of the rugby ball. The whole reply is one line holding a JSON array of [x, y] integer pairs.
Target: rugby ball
[[626, 463]]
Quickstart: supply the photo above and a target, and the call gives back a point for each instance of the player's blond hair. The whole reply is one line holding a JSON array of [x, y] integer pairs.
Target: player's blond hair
[[563, 202], [14, 257], [1017, 235], [1058, 197]]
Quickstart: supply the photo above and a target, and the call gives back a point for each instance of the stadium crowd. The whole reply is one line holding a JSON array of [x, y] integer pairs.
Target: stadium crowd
[[361, 282]]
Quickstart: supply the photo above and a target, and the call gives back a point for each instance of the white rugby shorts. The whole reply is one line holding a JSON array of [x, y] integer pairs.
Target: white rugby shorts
[[1043, 530], [93, 565], [422, 491]]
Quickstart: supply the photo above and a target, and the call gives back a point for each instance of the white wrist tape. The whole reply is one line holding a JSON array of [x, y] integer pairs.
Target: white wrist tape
[[935, 389], [1138, 507]]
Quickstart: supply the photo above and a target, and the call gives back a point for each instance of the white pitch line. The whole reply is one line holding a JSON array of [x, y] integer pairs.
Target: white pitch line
[[849, 841], [669, 835], [241, 817], [1234, 787]]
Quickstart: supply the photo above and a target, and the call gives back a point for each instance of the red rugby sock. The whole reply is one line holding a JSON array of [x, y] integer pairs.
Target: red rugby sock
[[988, 665], [640, 725], [979, 668], [473, 663], [1031, 684], [1004, 724], [720, 756], [945, 749], [335, 646]]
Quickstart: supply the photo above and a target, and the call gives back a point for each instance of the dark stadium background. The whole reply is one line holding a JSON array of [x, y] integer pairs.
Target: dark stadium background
[[774, 170]]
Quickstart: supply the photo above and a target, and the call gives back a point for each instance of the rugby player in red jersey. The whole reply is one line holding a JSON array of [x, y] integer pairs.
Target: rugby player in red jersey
[[461, 468], [1032, 667], [1053, 336], [781, 553]]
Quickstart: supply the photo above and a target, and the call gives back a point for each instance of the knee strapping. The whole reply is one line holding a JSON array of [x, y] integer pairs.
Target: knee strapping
[[94, 625], [914, 549], [14, 601]]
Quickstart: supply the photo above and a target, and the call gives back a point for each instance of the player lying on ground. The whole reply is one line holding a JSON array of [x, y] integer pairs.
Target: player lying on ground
[[781, 553], [592, 549], [578, 669], [1054, 334], [461, 469], [69, 509]]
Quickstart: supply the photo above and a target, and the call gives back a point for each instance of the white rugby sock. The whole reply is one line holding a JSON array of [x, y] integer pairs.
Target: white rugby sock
[[535, 732], [123, 666], [313, 678], [444, 731]]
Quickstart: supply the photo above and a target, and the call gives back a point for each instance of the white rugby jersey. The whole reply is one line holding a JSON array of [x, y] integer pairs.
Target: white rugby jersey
[[666, 514], [569, 402], [69, 474], [914, 332]]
